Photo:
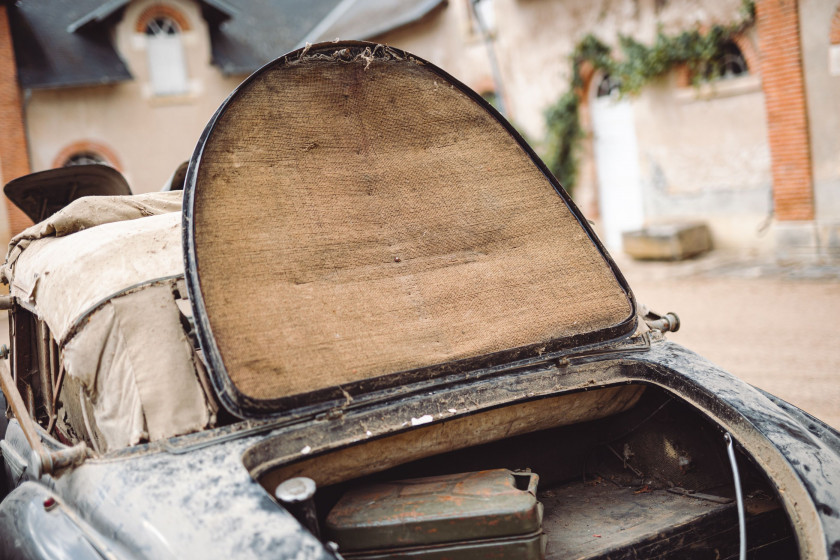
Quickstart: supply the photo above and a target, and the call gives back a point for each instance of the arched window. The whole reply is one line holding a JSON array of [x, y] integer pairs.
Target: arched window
[[84, 158], [608, 87], [167, 67], [83, 152], [730, 63]]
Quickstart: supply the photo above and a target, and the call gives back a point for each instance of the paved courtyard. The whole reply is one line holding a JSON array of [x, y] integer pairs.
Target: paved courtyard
[[773, 326]]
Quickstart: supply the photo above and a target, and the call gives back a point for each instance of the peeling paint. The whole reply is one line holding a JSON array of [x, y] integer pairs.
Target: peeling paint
[[425, 419]]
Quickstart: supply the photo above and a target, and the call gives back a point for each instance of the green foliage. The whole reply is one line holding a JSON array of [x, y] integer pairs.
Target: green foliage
[[593, 50], [748, 10], [641, 64], [637, 66], [564, 134]]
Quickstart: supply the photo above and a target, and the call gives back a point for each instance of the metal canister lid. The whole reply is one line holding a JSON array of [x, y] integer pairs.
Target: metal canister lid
[[295, 490]]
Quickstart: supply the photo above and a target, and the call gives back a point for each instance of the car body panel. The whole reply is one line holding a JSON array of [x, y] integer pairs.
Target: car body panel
[[30, 530], [195, 493]]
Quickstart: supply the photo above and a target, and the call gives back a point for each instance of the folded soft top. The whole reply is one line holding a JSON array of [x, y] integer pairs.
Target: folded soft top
[[106, 276], [92, 249]]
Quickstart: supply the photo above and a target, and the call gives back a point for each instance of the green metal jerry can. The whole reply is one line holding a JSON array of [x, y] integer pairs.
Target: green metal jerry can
[[479, 515]]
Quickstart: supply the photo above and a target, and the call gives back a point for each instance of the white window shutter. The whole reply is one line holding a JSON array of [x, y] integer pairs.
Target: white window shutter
[[167, 67]]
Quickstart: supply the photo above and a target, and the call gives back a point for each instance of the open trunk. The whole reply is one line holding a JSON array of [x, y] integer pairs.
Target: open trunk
[[641, 474], [413, 258]]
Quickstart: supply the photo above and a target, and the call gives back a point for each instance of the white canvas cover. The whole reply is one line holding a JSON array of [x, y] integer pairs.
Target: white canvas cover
[[90, 273], [92, 249]]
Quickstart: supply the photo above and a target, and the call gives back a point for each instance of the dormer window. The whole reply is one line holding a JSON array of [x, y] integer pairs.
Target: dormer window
[[167, 67]]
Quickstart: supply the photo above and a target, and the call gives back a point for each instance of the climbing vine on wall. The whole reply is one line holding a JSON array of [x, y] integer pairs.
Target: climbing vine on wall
[[637, 66]]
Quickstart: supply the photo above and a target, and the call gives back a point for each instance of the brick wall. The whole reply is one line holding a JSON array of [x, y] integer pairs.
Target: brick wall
[[787, 120], [14, 156]]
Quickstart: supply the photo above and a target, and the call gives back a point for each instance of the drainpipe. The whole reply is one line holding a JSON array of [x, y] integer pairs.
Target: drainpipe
[[491, 55]]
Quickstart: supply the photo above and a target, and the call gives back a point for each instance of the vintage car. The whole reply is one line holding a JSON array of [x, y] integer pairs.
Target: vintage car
[[373, 325]]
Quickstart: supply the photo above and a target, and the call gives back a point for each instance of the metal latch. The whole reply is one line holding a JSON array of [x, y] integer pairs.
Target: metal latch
[[662, 323]]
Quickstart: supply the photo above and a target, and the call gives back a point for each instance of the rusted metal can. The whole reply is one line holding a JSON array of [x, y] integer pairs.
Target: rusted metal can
[[486, 514]]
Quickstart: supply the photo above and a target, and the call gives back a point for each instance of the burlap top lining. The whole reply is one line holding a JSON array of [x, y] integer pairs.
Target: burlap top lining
[[358, 219]]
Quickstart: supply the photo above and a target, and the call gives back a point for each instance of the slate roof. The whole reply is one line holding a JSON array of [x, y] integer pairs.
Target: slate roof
[[262, 31], [48, 56], [66, 43], [365, 19]]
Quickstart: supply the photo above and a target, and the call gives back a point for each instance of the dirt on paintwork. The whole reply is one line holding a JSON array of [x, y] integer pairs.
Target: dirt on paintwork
[[774, 326]]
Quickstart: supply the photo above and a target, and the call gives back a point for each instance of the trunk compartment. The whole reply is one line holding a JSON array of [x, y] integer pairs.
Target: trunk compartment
[[647, 480]]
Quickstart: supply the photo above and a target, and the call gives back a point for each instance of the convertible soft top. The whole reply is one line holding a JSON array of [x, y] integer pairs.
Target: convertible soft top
[[106, 276]]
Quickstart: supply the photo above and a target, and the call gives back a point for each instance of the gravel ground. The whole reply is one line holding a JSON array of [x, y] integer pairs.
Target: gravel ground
[[773, 326]]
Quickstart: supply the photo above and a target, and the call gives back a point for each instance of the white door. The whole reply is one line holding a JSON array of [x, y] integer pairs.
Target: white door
[[617, 165]]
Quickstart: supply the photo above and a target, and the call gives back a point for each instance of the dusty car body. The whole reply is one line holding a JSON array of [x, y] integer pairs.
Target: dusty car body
[[372, 279]]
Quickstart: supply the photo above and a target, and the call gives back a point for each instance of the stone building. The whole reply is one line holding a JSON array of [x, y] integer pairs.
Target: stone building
[[754, 152]]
